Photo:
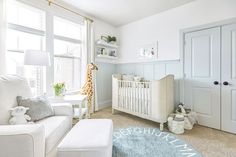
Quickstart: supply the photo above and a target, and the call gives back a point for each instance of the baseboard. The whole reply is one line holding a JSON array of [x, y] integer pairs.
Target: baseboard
[[104, 104]]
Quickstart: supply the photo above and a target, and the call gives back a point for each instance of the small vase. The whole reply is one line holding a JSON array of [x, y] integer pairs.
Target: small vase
[[59, 92]]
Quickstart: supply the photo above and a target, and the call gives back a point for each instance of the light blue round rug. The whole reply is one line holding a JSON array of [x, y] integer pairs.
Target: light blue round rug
[[149, 142]]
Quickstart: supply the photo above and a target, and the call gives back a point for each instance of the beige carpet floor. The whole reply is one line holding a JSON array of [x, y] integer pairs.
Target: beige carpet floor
[[209, 142]]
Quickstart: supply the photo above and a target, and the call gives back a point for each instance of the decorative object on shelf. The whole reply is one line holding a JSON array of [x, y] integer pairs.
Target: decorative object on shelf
[[148, 51], [111, 39], [106, 47], [112, 52], [102, 51], [87, 89], [104, 38], [59, 88]]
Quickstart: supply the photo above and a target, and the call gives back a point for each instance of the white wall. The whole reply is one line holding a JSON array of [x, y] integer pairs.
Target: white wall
[[103, 28], [164, 27]]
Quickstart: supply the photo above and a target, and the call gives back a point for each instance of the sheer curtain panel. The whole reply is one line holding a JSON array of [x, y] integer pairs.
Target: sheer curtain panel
[[3, 26], [89, 46]]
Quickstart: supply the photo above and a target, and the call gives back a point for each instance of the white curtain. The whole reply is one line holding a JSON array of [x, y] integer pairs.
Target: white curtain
[[3, 28], [90, 55]]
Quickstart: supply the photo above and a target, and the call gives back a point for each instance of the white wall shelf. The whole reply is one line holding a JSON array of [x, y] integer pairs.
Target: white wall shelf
[[107, 57], [106, 52], [101, 43]]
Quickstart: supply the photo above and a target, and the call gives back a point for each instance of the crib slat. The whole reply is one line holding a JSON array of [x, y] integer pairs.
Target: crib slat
[[131, 97], [144, 99], [139, 95], [139, 110], [126, 95], [141, 104], [120, 89], [129, 90], [149, 100], [135, 96], [127, 103]]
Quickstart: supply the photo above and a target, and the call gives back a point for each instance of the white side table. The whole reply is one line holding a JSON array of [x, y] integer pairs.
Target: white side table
[[77, 101]]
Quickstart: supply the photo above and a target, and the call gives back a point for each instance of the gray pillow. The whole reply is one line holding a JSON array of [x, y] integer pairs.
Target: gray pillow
[[39, 107]]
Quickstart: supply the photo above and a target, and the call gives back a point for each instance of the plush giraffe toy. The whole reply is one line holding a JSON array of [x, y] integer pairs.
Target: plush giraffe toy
[[87, 89]]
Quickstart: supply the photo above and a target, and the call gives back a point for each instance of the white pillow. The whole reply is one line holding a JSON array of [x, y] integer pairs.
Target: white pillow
[[128, 77], [138, 78]]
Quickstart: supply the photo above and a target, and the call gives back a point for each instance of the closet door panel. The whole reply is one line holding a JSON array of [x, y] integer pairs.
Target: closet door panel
[[202, 69], [228, 92]]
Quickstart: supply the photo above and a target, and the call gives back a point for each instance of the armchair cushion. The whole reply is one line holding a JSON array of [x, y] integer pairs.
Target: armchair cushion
[[56, 128], [22, 140], [62, 109]]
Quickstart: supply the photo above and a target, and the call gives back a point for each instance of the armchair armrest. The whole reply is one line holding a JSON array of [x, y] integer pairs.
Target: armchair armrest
[[22, 140], [63, 109]]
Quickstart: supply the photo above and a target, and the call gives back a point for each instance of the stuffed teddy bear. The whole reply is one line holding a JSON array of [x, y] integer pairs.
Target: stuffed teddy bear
[[19, 116]]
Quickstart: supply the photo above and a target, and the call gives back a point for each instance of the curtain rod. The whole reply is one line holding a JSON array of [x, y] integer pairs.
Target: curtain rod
[[59, 5]]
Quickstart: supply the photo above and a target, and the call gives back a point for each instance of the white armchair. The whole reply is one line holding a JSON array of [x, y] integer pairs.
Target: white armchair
[[31, 140], [22, 140]]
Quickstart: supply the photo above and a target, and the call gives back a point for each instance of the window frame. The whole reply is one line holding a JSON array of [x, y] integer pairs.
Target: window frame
[[48, 33], [30, 31], [70, 40]]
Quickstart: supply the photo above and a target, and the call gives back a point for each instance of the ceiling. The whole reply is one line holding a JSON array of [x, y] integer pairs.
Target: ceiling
[[121, 12]]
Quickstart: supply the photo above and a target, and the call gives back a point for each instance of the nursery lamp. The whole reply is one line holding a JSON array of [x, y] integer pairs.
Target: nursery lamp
[[40, 60], [37, 58]]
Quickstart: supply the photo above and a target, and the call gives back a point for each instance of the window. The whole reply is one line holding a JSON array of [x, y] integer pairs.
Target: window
[[26, 30], [67, 53]]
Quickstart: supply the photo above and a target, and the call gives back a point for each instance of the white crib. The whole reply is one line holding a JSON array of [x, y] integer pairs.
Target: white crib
[[152, 100]]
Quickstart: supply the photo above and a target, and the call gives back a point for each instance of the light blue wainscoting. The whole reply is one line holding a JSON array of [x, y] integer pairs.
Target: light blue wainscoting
[[150, 71], [104, 84], [153, 71]]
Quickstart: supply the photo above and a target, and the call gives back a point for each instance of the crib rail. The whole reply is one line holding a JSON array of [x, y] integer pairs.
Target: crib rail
[[135, 96]]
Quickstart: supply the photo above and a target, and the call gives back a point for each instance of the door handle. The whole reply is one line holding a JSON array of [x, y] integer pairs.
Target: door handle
[[216, 82], [226, 83]]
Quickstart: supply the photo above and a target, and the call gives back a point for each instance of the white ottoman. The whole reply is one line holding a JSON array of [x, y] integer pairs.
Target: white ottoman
[[88, 138]]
